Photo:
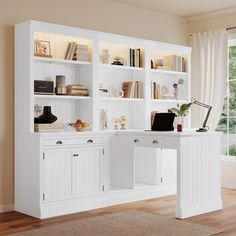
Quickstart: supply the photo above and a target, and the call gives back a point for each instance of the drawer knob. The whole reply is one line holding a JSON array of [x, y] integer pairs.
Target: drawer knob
[[75, 155], [59, 142], [155, 141], [136, 140], [89, 141]]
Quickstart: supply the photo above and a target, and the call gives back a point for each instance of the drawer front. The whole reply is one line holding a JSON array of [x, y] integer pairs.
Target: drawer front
[[154, 142], [73, 141]]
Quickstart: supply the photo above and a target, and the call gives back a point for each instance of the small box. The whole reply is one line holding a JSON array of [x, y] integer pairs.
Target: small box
[[43, 87]]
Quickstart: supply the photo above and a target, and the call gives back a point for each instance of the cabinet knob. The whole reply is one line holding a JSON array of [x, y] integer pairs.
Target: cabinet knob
[[136, 140], [89, 141], [59, 142], [75, 155], [155, 141]]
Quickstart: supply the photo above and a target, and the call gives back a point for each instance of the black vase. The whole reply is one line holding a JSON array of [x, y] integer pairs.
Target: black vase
[[46, 118]]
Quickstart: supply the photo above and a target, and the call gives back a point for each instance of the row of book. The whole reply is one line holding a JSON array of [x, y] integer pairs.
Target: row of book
[[77, 90], [54, 127], [174, 62], [132, 89], [134, 57], [155, 91], [77, 52]]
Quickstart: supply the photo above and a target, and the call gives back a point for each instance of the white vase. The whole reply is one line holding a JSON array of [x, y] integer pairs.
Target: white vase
[[105, 56]]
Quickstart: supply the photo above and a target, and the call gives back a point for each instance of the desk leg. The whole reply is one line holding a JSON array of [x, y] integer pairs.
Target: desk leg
[[198, 175]]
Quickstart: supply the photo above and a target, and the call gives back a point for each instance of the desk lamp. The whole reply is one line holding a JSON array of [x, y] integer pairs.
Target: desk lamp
[[204, 127]]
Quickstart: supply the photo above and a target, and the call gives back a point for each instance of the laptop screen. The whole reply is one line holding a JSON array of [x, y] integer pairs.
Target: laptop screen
[[163, 122]]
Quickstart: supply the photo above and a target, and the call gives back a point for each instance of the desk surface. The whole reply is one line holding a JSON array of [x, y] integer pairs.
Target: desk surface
[[186, 132]]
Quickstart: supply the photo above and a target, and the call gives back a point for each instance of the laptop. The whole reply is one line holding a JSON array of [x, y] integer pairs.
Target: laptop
[[163, 122]]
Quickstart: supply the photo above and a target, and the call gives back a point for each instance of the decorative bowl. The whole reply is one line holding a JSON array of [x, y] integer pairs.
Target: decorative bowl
[[82, 128]]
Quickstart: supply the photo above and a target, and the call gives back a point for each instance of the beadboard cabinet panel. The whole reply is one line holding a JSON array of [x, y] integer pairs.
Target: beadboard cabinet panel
[[57, 174], [87, 172]]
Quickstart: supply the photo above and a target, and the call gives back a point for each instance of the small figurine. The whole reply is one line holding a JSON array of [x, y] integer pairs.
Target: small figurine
[[123, 121], [115, 123], [175, 86], [176, 90], [103, 119]]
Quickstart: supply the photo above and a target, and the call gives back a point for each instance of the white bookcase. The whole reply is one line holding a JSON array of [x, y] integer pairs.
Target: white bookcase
[[94, 74], [39, 157]]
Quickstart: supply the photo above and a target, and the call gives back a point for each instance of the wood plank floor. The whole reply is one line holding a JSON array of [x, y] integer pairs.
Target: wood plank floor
[[12, 222]]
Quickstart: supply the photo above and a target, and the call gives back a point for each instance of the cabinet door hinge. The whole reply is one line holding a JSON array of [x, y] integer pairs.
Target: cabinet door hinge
[[43, 156], [43, 196]]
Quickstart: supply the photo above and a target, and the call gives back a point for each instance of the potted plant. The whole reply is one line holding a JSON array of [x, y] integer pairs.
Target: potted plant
[[180, 111]]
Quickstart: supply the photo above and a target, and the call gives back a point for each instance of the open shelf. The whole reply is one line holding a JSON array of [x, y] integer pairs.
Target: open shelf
[[61, 97], [169, 72], [109, 66], [168, 101], [121, 99], [139, 185], [61, 61]]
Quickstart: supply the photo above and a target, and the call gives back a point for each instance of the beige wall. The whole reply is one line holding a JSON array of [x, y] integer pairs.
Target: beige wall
[[101, 15], [212, 21]]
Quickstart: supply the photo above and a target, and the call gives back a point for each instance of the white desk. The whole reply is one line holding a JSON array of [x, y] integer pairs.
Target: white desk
[[198, 166], [112, 160]]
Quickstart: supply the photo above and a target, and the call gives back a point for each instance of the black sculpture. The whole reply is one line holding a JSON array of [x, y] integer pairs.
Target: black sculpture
[[46, 118]]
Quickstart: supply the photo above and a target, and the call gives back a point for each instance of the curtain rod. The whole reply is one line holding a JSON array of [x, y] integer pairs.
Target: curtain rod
[[229, 28]]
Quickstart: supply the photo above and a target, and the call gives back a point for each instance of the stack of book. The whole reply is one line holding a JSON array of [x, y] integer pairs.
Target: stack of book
[[132, 89], [134, 57], [82, 52], [77, 52], [77, 90], [175, 63], [155, 91], [54, 127]]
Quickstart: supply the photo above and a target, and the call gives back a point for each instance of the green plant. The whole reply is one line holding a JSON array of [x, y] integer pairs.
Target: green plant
[[181, 110], [232, 150]]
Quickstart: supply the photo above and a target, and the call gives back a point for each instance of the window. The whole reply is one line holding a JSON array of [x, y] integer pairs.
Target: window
[[227, 123]]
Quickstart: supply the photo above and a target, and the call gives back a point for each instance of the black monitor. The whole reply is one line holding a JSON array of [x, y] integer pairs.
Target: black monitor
[[163, 122]]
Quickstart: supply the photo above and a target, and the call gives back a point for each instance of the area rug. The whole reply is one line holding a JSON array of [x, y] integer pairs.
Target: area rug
[[128, 223]]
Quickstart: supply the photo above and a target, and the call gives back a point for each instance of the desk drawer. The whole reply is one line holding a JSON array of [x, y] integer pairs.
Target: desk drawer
[[155, 142], [73, 141]]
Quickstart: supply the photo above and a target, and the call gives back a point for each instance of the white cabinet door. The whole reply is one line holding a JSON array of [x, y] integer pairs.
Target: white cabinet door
[[87, 172], [57, 172]]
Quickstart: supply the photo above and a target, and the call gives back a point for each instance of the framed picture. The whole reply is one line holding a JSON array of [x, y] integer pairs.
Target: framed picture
[[42, 48]]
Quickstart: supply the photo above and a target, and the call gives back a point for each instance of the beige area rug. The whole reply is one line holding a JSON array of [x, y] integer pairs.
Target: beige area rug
[[128, 223]]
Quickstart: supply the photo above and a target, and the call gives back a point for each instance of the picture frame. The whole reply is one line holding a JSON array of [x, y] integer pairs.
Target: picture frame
[[42, 48]]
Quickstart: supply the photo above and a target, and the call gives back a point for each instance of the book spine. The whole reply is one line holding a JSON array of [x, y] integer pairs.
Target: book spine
[[130, 57], [133, 55], [67, 52]]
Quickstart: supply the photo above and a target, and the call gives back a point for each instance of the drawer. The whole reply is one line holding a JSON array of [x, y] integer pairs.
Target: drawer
[[73, 141], [155, 142]]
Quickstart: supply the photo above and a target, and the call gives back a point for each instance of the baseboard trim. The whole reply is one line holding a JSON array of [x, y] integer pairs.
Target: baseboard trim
[[6, 207], [228, 185], [189, 211]]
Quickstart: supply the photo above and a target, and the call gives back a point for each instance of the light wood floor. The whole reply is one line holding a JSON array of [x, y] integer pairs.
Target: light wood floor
[[12, 222]]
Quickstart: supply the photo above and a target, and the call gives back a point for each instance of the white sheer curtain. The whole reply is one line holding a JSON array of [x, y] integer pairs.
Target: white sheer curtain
[[209, 74]]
